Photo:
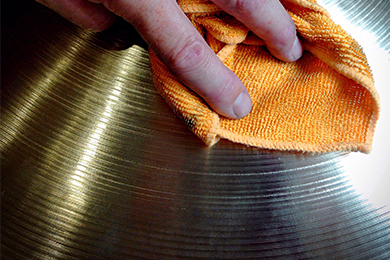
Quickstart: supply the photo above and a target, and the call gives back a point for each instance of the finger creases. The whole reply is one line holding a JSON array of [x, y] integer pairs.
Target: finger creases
[[325, 101]]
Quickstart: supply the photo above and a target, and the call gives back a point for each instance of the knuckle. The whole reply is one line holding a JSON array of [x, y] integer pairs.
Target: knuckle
[[188, 55]]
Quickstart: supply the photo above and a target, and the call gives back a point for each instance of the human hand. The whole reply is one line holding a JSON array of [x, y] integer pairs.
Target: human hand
[[164, 26]]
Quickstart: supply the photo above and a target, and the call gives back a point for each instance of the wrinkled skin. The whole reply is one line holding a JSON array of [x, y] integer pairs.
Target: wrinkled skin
[[171, 35]]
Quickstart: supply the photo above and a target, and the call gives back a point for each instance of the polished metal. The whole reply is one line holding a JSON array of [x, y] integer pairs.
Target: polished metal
[[95, 165]]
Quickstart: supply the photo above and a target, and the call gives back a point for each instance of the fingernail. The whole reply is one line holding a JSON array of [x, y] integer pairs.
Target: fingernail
[[242, 105], [297, 49]]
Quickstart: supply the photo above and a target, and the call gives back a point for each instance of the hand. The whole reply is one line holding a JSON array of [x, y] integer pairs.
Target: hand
[[171, 35]]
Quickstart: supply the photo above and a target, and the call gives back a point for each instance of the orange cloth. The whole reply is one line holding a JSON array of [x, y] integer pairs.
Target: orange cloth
[[325, 101]]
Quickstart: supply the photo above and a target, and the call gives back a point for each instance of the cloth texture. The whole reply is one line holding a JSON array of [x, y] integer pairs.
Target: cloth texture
[[325, 101]]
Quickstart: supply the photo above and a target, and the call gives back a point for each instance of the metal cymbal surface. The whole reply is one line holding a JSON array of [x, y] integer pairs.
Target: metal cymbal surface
[[95, 165]]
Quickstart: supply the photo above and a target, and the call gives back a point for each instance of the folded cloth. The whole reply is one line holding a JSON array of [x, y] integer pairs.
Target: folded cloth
[[325, 101]]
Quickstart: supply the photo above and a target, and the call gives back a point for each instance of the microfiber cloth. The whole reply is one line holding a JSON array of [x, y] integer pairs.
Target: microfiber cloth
[[325, 101]]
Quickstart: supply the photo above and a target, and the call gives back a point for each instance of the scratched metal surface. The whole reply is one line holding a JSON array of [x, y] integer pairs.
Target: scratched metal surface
[[96, 166]]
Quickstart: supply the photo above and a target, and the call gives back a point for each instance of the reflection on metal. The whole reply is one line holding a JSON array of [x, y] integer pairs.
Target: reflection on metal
[[96, 166]]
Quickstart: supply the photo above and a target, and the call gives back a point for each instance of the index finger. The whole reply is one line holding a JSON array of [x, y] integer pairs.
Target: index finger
[[179, 45]]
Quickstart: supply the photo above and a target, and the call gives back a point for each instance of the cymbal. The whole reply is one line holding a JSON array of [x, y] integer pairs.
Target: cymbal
[[95, 165]]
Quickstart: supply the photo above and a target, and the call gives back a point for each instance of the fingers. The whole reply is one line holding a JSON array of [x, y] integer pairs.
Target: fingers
[[269, 20], [185, 52], [85, 14]]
